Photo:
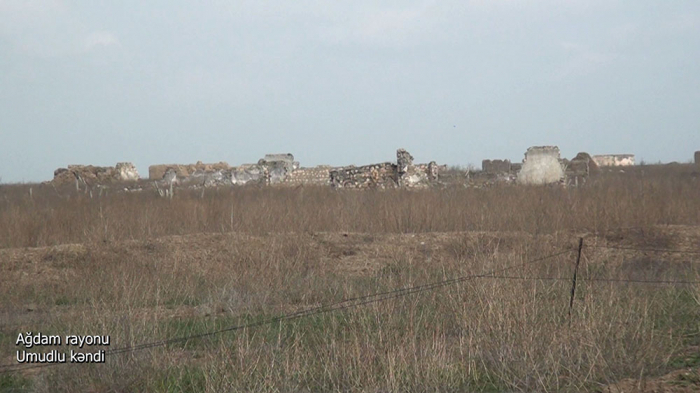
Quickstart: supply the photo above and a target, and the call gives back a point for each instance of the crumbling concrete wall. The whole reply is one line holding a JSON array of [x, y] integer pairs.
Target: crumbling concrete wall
[[495, 167], [89, 174], [156, 172], [614, 160], [542, 165], [368, 176]]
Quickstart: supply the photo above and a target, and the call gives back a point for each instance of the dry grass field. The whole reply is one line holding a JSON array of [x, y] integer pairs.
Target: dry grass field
[[141, 269]]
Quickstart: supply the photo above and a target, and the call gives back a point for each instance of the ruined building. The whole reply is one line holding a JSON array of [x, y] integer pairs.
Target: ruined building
[[280, 160], [156, 172], [495, 167], [319, 175], [697, 157], [614, 159], [273, 169], [580, 168], [403, 174], [542, 165], [88, 174], [382, 175]]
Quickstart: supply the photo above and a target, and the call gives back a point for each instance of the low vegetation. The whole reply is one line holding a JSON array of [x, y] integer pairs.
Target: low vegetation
[[141, 268]]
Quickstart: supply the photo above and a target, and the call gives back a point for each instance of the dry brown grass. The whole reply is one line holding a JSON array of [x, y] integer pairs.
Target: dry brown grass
[[140, 268], [649, 196]]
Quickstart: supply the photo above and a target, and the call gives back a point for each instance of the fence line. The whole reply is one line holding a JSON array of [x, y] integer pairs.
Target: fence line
[[382, 296], [336, 306], [585, 279], [660, 250]]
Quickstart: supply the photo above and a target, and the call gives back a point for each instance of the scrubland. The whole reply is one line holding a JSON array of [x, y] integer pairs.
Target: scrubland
[[141, 268]]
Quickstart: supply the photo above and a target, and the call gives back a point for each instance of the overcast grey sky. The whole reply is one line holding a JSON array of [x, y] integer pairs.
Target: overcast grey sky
[[343, 82]]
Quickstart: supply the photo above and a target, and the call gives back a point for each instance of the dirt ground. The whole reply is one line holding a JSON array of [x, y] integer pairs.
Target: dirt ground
[[352, 255]]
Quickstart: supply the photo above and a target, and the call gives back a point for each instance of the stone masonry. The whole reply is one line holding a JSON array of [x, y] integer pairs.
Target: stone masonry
[[404, 174], [156, 172], [495, 167], [318, 175], [542, 165], [580, 168], [273, 169], [88, 174], [368, 176], [614, 159]]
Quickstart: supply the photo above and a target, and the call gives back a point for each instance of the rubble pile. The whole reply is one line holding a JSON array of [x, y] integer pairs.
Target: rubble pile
[[156, 172], [89, 174]]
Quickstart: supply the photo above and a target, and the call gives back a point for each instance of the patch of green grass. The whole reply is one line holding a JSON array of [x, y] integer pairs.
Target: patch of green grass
[[692, 360], [184, 379], [689, 379], [682, 316], [64, 301], [14, 383], [310, 328]]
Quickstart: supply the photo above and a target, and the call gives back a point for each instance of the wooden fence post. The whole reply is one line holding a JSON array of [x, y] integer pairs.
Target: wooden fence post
[[573, 283]]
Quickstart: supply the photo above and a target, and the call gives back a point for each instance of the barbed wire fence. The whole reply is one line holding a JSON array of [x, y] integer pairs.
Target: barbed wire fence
[[353, 302]]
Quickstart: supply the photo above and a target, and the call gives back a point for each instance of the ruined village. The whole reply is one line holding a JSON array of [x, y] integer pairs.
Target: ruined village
[[541, 165]]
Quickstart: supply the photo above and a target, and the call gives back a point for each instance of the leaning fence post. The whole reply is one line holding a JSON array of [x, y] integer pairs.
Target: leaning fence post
[[573, 281]]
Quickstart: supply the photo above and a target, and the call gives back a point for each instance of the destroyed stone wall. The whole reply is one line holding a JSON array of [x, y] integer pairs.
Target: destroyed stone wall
[[404, 160], [285, 160], [156, 172], [415, 176], [124, 171], [494, 167], [319, 175], [614, 160], [493, 172], [580, 168], [542, 165], [273, 169], [249, 174], [387, 175], [419, 176], [368, 176]]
